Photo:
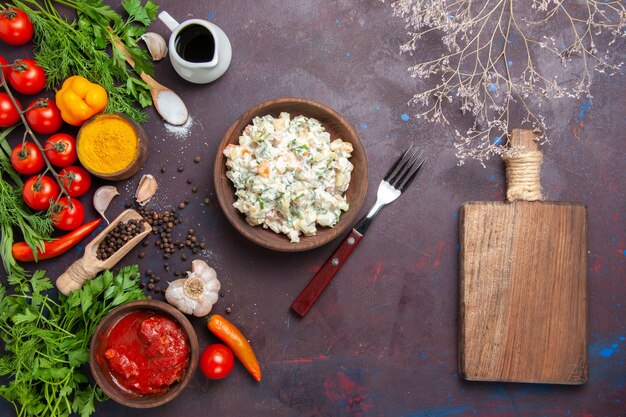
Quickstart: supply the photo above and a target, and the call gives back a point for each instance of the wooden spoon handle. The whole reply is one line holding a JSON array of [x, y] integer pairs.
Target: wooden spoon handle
[[148, 79], [129, 58], [73, 279]]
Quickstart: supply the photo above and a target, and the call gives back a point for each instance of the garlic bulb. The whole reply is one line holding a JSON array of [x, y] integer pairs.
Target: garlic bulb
[[197, 293], [156, 45], [146, 189]]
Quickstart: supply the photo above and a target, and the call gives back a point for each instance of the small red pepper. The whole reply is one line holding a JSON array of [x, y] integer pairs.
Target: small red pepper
[[238, 343], [22, 252]]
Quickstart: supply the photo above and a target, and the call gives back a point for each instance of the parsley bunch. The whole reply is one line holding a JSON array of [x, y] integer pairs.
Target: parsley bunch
[[47, 342], [81, 47]]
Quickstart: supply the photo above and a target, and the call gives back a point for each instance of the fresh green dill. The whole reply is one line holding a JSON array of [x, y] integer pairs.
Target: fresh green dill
[[46, 342], [79, 47]]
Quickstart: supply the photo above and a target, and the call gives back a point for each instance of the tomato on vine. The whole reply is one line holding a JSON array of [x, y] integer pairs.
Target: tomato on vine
[[60, 149], [6, 69], [27, 159], [27, 77], [67, 214], [75, 180], [43, 116], [15, 27], [40, 191], [9, 114]]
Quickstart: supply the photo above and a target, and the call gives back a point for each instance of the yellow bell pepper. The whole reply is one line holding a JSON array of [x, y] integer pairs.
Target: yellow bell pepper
[[79, 99]]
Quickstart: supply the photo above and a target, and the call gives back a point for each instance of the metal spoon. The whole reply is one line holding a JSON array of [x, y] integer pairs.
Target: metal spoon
[[166, 102]]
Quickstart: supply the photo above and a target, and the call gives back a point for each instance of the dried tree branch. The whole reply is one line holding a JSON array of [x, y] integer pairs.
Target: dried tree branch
[[477, 71]]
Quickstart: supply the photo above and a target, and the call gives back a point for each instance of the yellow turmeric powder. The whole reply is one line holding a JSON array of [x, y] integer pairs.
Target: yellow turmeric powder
[[107, 144]]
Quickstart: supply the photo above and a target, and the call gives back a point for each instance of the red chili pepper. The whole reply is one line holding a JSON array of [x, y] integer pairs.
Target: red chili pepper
[[235, 340], [22, 252]]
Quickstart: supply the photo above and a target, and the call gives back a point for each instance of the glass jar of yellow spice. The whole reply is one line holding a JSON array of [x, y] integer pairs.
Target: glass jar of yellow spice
[[112, 146]]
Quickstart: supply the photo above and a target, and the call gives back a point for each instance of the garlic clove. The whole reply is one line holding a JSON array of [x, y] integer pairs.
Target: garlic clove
[[175, 295], [102, 198], [156, 45], [146, 189]]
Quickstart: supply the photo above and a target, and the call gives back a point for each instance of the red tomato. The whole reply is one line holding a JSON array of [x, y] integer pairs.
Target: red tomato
[[5, 70], [15, 27], [27, 159], [27, 77], [217, 361], [43, 116], [60, 149], [68, 214], [39, 190], [76, 180], [9, 115]]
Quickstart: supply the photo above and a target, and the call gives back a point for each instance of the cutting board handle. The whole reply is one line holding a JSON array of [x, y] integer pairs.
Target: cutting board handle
[[73, 279], [523, 166]]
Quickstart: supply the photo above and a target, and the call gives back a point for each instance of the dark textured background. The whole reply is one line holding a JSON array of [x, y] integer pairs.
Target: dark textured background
[[382, 339]]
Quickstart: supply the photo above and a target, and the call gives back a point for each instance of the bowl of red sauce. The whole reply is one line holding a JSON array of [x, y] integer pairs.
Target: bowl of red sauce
[[144, 353]]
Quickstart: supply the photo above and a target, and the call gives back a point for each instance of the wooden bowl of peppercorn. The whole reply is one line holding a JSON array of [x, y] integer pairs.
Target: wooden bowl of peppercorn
[[105, 250]]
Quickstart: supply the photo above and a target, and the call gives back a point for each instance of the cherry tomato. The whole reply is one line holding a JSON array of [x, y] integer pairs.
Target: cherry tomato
[[27, 159], [5, 70], [43, 116], [68, 214], [217, 361], [39, 190], [15, 27], [9, 115], [60, 149], [27, 77], [76, 180]]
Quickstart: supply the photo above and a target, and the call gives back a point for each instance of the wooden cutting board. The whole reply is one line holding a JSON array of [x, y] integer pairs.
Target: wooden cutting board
[[522, 296]]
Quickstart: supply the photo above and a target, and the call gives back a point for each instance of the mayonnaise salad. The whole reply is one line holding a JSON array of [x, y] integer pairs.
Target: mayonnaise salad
[[288, 175]]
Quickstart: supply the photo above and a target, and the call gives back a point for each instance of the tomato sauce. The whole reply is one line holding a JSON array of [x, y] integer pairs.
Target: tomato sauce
[[146, 352]]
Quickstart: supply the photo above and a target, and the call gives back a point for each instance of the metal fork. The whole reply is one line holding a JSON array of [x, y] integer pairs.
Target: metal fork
[[394, 183]]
